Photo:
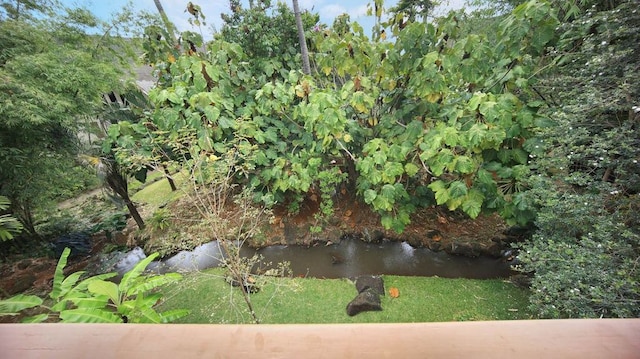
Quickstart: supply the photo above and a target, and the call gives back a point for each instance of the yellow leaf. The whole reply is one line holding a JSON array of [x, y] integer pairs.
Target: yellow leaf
[[433, 97], [391, 85], [347, 138], [171, 58]]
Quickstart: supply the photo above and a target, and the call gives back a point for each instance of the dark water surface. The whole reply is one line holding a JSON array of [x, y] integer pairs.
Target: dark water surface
[[349, 258]]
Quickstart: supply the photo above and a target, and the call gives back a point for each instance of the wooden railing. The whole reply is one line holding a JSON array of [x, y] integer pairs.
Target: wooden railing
[[604, 338]]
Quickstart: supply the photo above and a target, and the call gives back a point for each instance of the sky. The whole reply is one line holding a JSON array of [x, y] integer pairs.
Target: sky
[[175, 9]]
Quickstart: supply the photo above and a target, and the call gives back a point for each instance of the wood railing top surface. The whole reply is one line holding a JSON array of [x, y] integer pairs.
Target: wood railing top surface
[[594, 338]]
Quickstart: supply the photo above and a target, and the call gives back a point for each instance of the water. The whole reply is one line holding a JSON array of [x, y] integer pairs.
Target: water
[[349, 258]]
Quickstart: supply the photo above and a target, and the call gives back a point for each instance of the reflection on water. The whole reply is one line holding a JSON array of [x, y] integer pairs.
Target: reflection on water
[[349, 258]]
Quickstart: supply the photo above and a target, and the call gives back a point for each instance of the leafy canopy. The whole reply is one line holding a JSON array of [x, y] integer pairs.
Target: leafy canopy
[[438, 117]]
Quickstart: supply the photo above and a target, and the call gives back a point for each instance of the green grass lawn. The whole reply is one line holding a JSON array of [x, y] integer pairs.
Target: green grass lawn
[[308, 300], [159, 192]]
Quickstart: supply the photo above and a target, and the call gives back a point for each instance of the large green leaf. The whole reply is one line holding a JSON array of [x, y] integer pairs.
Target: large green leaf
[[35, 319], [440, 190], [89, 315], [457, 189], [369, 196], [61, 305], [464, 164], [15, 304], [58, 275], [475, 135], [146, 315], [153, 282], [9, 225], [440, 161], [109, 289], [173, 315], [68, 283], [129, 277], [95, 301], [472, 204], [82, 286], [411, 169]]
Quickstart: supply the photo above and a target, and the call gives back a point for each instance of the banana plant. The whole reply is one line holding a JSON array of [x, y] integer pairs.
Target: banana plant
[[96, 300], [132, 299]]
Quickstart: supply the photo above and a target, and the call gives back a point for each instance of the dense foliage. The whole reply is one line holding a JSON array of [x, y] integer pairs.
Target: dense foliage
[[522, 119], [52, 75], [528, 109], [586, 250], [400, 125], [267, 34]]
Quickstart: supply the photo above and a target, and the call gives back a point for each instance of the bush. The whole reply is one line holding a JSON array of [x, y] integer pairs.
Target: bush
[[584, 260], [585, 252]]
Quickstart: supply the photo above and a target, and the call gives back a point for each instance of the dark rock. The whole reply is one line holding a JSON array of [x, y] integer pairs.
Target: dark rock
[[78, 242], [333, 235], [351, 236], [414, 241], [434, 246], [467, 249], [519, 233], [375, 236], [369, 300], [494, 249], [374, 283]]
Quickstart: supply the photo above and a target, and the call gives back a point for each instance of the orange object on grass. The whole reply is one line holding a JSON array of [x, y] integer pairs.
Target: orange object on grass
[[394, 292]]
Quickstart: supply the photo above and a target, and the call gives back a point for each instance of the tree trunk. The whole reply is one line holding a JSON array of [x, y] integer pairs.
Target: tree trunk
[[172, 184], [25, 216], [118, 183], [306, 67], [166, 21], [134, 211]]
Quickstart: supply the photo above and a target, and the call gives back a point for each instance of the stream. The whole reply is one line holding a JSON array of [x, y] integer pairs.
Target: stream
[[349, 258]]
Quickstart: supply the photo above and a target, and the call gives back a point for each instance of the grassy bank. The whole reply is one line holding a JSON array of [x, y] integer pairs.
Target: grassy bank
[[156, 191], [307, 300]]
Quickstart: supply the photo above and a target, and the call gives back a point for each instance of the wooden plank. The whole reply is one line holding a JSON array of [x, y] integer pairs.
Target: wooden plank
[[604, 338]]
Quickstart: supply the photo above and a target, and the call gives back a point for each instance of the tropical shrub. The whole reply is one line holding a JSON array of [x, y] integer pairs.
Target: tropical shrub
[[438, 117], [95, 300]]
